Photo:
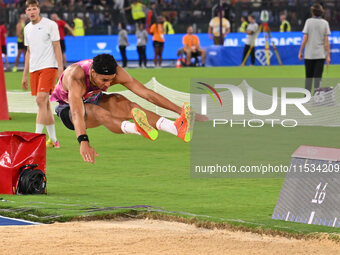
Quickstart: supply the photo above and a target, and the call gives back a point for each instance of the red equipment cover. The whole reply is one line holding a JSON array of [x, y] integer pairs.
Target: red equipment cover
[[16, 150]]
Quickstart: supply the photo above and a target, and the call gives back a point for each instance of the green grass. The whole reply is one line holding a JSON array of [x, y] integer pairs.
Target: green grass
[[133, 171], [179, 79]]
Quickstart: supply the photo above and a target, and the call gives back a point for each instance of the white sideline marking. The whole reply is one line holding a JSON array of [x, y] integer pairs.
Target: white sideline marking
[[287, 217], [334, 221], [311, 217]]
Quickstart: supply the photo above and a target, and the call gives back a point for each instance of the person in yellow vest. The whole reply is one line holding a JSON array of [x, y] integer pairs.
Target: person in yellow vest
[[79, 28], [167, 26], [244, 24], [137, 11], [285, 25], [20, 40]]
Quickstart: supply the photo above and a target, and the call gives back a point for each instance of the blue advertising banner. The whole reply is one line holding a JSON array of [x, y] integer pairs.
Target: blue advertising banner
[[78, 48]]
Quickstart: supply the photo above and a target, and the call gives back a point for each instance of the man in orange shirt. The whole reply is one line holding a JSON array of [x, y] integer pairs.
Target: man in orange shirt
[[192, 46]]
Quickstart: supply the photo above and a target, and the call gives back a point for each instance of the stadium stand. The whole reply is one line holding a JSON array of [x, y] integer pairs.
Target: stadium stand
[[103, 16]]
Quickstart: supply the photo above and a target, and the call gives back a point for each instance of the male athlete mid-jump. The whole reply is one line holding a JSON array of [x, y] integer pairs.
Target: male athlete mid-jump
[[82, 104]]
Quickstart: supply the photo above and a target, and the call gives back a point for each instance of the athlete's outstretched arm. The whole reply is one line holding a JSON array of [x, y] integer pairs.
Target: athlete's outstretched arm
[[139, 89], [75, 84]]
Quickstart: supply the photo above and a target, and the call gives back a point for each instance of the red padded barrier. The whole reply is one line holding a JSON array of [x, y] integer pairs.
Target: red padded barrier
[[16, 150]]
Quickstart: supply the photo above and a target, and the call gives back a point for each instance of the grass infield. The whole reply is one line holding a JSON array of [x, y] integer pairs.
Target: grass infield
[[131, 170]]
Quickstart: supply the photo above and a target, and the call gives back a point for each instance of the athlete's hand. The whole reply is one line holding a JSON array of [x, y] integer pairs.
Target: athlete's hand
[[328, 60], [24, 83], [300, 56], [87, 152], [200, 117]]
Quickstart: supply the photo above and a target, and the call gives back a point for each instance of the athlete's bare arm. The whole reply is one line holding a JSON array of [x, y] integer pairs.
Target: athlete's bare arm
[[139, 89], [74, 83]]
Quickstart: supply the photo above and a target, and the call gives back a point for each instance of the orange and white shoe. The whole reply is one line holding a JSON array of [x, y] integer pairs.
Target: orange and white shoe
[[185, 123], [142, 124]]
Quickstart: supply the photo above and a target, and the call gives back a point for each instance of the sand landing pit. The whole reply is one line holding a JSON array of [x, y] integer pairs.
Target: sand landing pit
[[145, 236]]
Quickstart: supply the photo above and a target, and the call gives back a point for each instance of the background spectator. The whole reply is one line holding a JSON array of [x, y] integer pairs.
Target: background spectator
[[61, 26], [79, 28], [142, 39], [3, 34], [168, 29], [285, 25], [158, 40], [244, 24], [251, 36], [123, 42], [137, 11], [192, 47], [20, 40], [152, 15], [316, 45], [214, 28]]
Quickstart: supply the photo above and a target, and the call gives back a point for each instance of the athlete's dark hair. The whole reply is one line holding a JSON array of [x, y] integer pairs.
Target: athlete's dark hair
[[317, 10], [104, 64], [32, 2]]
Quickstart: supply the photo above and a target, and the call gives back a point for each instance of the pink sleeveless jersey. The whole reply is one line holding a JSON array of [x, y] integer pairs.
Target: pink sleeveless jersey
[[60, 95]]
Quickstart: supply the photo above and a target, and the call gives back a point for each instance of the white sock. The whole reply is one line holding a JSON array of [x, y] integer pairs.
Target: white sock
[[51, 132], [129, 128], [167, 126], [39, 128]]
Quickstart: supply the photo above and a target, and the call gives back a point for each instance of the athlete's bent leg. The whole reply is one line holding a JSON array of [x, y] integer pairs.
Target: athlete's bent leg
[[97, 116], [120, 107]]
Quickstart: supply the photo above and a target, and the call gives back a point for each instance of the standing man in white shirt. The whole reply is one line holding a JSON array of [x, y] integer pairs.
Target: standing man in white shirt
[[44, 63], [251, 31]]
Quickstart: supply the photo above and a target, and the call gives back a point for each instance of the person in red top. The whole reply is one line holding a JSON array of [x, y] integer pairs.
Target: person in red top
[[3, 36], [61, 26], [192, 46], [158, 40]]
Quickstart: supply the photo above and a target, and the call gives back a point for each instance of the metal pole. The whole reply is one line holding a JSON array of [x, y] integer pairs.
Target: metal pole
[[221, 19]]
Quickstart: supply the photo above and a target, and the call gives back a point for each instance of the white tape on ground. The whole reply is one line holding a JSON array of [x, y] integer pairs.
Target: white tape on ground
[[23, 102]]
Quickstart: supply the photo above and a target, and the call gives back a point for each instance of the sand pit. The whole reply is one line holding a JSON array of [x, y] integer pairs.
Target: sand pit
[[148, 237]]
